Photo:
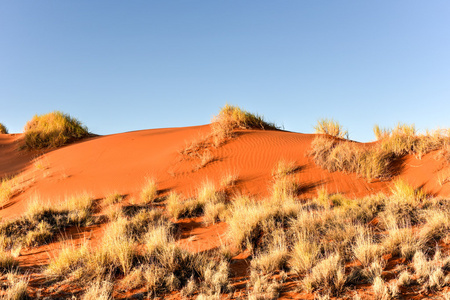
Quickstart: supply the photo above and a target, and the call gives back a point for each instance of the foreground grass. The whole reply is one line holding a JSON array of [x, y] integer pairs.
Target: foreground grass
[[41, 222], [53, 130], [328, 246], [159, 267], [8, 186]]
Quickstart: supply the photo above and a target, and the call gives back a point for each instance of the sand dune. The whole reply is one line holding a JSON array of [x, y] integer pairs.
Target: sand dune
[[120, 163]]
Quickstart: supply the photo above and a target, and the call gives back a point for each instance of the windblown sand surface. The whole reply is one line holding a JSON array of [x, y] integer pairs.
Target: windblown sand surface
[[120, 163]]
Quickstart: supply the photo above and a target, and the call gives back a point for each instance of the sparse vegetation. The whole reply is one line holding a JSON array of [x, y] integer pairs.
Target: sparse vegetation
[[381, 133], [149, 192], [113, 198], [395, 244], [229, 180], [331, 127], [376, 160], [231, 117], [8, 186], [284, 168], [16, 287], [3, 129], [54, 129], [42, 222]]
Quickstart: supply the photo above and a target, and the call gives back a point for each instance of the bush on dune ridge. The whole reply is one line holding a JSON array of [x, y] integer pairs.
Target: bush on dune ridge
[[232, 117], [376, 160], [54, 129], [235, 117], [331, 127], [3, 129]]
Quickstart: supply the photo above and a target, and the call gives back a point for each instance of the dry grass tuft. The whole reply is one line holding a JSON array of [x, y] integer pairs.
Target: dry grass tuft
[[305, 253], [284, 168], [327, 277], [209, 201], [7, 261], [377, 160], [41, 222], [3, 129], [381, 133], [335, 155], [8, 186], [113, 198], [99, 289], [17, 287], [365, 250], [54, 129], [150, 190], [331, 127], [229, 179], [262, 286]]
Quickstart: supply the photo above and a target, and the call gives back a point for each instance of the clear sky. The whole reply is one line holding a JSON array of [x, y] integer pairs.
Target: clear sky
[[128, 65]]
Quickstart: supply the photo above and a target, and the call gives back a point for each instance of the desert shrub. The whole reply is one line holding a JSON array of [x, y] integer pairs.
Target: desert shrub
[[430, 272], [381, 133], [41, 222], [335, 155], [249, 218], [403, 192], [264, 286], [331, 127], [285, 188], [274, 254], [149, 191], [366, 250], [284, 168], [437, 225], [8, 186], [229, 180], [113, 198], [54, 129], [235, 117], [376, 160], [99, 289], [208, 197], [3, 129], [327, 277], [382, 291], [17, 287], [7, 261], [232, 117], [305, 253]]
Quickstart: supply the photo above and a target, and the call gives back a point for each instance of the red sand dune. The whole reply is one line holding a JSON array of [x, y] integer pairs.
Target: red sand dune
[[120, 163]]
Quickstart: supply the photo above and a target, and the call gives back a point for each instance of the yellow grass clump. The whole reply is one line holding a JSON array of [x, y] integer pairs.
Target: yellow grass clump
[[331, 127], [150, 190], [233, 117], [376, 160], [3, 129], [54, 129]]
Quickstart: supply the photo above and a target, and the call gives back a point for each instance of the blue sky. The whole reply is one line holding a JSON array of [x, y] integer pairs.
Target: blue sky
[[128, 65]]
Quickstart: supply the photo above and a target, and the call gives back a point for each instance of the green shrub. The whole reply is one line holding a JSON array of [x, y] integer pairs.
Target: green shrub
[[54, 129]]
